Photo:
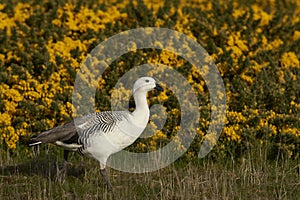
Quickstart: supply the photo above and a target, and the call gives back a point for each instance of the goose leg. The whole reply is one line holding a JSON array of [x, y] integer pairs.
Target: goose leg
[[106, 178], [62, 171], [66, 155]]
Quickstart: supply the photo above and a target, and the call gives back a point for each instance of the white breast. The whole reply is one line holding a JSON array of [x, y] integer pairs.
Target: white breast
[[101, 144]]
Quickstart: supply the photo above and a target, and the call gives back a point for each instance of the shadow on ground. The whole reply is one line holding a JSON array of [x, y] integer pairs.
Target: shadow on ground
[[44, 167]]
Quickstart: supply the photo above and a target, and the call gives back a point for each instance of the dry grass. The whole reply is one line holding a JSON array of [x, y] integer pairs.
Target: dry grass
[[251, 177]]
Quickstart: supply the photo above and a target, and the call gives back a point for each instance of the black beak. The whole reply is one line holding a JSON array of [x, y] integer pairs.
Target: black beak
[[158, 87]]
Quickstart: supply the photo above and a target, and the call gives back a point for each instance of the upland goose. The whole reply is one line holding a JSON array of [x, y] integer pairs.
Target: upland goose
[[102, 134]]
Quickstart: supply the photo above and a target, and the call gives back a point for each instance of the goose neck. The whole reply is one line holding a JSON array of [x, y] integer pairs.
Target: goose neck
[[141, 104]]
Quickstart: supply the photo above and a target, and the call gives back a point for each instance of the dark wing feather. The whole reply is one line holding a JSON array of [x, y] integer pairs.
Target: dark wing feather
[[59, 133], [66, 133]]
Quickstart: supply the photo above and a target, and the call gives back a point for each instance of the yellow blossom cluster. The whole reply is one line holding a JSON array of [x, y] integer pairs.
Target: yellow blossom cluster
[[86, 18], [290, 60], [63, 49], [22, 11], [237, 45]]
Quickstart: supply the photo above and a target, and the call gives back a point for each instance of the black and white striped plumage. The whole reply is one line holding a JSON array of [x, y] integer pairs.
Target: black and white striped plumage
[[102, 134]]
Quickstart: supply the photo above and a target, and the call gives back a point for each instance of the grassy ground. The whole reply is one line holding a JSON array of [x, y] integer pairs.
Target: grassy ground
[[253, 176]]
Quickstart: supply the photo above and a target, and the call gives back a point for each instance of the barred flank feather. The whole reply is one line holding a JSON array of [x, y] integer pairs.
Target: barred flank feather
[[88, 126]]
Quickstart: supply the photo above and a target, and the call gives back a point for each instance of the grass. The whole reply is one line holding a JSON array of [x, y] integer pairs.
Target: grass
[[253, 176]]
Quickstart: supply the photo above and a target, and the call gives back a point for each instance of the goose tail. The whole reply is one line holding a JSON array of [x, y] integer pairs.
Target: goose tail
[[59, 133]]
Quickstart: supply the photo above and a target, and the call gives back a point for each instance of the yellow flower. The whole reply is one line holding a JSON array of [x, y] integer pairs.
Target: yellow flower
[[64, 48], [32, 95], [281, 76], [163, 96], [232, 132], [235, 117], [5, 119], [296, 35], [142, 145], [13, 95], [159, 135], [237, 45], [271, 45], [211, 138], [200, 132], [166, 58], [289, 60], [10, 136], [258, 67], [273, 130], [10, 106], [292, 131], [2, 56], [86, 18], [202, 5], [159, 23], [10, 55], [120, 94], [238, 12], [260, 14], [247, 78], [2, 6], [154, 4], [22, 11], [158, 44]]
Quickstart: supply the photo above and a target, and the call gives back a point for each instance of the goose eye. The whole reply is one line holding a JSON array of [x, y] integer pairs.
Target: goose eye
[[147, 81]]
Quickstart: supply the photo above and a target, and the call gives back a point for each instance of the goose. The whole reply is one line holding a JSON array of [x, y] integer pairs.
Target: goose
[[101, 134]]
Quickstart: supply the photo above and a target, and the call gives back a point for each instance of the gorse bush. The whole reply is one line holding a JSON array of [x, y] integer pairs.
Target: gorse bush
[[255, 45]]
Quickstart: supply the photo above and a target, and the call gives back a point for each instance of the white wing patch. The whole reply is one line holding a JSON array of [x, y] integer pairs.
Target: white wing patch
[[71, 147]]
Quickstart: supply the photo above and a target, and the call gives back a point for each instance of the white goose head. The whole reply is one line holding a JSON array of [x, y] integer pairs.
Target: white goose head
[[140, 89], [145, 84]]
